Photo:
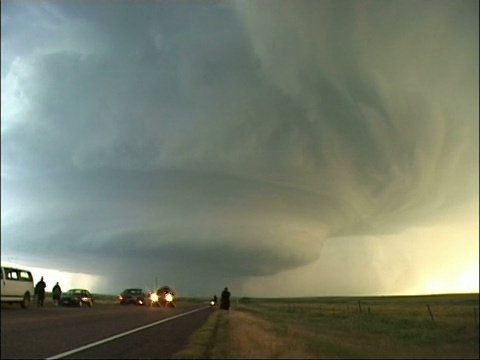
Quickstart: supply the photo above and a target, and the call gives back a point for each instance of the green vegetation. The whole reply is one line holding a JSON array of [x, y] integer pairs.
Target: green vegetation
[[210, 341], [443, 326]]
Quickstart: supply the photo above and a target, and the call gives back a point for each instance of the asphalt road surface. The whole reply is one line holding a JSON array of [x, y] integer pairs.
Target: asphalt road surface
[[101, 332]]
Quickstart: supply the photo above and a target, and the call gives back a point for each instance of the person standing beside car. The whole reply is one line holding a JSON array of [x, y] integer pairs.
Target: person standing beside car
[[56, 293], [40, 292]]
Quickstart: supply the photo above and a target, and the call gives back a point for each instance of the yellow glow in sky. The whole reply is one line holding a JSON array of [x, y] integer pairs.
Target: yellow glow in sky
[[67, 280], [462, 282]]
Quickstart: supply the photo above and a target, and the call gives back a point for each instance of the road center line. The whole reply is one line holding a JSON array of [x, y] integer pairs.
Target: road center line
[[96, 343]]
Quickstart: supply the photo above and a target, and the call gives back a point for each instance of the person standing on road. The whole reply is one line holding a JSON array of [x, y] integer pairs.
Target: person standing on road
[[56, 292], [40, 292], [225, 300]]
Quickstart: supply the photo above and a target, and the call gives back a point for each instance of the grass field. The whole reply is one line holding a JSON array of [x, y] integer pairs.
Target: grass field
[[435, 327]]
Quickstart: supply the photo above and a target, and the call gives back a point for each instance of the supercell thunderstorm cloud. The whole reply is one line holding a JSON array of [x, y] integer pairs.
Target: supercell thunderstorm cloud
[[324, 148]]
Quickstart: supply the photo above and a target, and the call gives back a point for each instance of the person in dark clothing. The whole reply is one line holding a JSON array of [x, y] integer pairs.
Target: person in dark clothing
[[40, 292], [56, 293], [225, 300]]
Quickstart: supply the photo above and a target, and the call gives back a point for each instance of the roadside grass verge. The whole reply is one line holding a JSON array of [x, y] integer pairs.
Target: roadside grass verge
[[208, 342], [395, 327]]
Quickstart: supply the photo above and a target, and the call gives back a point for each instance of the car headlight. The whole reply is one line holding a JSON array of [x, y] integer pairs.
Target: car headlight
[[169, 297], [154, 297]]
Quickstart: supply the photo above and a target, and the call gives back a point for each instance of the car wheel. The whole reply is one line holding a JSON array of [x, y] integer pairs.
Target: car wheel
[[90, 304], [80, 303], [26, 301]]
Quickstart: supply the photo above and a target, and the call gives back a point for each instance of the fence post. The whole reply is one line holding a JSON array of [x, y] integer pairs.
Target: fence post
[[359, 306], [430, 311]]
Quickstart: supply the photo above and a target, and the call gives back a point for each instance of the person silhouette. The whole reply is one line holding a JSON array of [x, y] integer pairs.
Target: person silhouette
[[225, 299], [40, 292], [56, 293]]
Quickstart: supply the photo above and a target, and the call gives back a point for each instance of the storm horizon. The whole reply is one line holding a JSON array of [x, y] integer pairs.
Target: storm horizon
[[290, 148]]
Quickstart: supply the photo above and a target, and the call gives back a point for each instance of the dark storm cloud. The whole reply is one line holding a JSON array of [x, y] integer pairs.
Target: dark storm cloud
[[391, 100], [211, 223], [231, 138]]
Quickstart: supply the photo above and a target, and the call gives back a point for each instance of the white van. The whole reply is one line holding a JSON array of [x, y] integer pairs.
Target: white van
[[17, 286]]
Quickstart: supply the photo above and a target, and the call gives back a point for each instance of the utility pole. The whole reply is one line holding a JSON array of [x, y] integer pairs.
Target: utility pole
[[156, 283]]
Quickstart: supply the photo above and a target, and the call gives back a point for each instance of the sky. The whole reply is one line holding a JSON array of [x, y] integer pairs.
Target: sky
[[277, 148]]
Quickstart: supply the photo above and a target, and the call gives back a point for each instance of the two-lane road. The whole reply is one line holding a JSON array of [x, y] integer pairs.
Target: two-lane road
[[103, 331]]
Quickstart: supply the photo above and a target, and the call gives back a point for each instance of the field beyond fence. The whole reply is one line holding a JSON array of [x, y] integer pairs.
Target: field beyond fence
[[429, 327]]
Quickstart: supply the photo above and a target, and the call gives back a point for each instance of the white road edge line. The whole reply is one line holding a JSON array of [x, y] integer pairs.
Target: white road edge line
[[96, 343]]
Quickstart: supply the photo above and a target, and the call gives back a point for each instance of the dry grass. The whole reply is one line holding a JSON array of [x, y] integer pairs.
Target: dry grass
[[395, 328], [254, 338]]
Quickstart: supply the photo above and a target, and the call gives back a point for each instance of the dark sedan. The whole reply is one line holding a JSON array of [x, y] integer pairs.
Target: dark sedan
[[76, 297], [134, 296]]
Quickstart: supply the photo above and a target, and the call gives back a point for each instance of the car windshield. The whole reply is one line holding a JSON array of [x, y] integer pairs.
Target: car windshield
[[164, 289], [134, 291], [75, 292]]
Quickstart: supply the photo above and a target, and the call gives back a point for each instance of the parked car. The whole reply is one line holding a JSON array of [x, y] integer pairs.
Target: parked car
[[76, 297], [134, 296], [17, 286]]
